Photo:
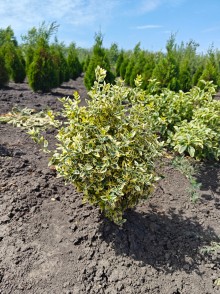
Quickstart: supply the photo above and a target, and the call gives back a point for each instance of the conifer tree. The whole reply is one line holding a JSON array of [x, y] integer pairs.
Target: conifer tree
[[14, 60], [113, 54], [4, 77], [148, 68], [100, 58], [86, 63], [131, 64], [138, 67], [59, 51], [123, 66], [211, 70], [167, 69], [42, 74], [42, 70], [75, 68], [119, 62]]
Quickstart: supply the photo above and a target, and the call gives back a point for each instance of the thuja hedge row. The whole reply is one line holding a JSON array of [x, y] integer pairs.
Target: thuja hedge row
[[180, 67], [46, 65]]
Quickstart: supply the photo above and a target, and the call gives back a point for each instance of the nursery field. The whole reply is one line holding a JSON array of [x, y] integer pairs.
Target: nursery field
[[52, 243]]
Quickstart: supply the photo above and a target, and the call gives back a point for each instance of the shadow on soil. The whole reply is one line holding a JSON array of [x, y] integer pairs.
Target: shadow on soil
[[167, 242], [208, 176], [67, 87], [59, 94]]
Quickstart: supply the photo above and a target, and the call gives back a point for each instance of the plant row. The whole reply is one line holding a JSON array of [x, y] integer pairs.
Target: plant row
[[180, 67], [46, 65]]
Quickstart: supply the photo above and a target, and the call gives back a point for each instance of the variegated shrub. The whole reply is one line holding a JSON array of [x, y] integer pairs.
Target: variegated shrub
[[107, 149]]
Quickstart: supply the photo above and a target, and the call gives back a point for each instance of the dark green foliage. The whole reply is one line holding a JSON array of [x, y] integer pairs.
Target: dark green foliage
[[14, 62], [29, 56], [45, 69], [98, 58], [18, 67], [167, 69], [197, 75], [124, 66], [185, 78], [148, 68], [86, 63], [113, 54], [165, 73], [211, 70], [129, 69], [137, 68], [42, 75], [179, 68], [58, 51], [4, 77], [119, 63], [188, 63], [7, 35], [75, 68], [35, 36]]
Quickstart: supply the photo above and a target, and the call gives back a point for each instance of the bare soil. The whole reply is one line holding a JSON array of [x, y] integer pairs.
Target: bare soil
[[51, 243]]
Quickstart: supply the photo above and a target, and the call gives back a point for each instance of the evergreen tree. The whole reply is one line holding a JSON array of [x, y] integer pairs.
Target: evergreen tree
[[211, 70], [113, 54], [42, 71], [100, 58], [138, 67], [4, 77], [148, 68], [197, 75], [187, 65], [86, 63], [129, 69], [75, 68], [123, 66], [42, 74], [185, 78], [167, 69], [14, 60], [119, 63], [58, 51], [7, 35]]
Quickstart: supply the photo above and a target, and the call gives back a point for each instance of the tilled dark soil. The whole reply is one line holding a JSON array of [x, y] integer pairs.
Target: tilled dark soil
[[51, 243]]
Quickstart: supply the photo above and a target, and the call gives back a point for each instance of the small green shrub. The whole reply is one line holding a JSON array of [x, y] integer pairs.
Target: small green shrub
[[196, 139], [107, 149], [187, 122], [200, 136]]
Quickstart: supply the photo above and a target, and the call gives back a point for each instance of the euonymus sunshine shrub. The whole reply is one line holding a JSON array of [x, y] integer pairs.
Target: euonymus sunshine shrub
[[187, 122], [200, 137], [107, 149]]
